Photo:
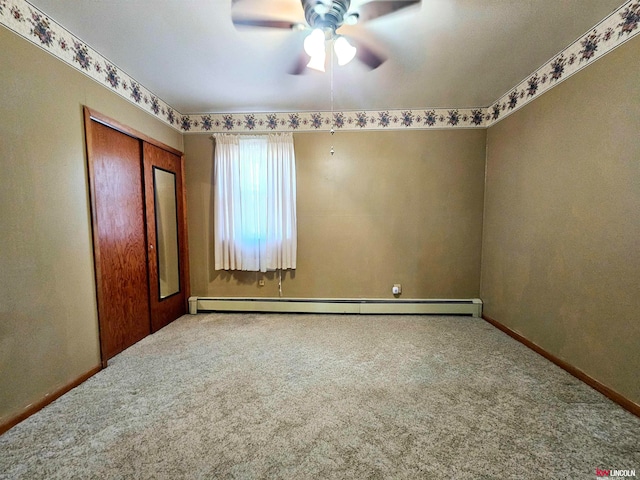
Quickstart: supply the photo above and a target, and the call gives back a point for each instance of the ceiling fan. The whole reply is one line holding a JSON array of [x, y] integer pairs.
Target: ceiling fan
[[324, 18]]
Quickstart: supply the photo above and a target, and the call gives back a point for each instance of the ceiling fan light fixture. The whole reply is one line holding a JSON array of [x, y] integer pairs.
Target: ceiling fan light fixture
[[317, 62], [344, 50], [351, 19], [314, 43], [321, 9]]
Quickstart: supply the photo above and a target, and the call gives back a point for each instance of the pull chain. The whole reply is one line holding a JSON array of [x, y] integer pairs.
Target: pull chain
[[332, 131]]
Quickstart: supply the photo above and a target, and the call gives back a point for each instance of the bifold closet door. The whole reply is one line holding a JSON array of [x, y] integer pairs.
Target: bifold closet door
[[120, 246]]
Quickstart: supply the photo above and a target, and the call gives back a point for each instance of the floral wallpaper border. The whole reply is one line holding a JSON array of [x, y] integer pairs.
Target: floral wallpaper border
[[324, 121], [27, 21], [610, 33]]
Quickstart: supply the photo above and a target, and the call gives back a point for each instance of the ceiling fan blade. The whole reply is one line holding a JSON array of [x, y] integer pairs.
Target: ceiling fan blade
[[374, 9], [264, 23], [366, 55]]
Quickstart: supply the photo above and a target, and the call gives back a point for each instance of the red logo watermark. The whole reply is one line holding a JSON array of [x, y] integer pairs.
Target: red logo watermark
[[614, 472]]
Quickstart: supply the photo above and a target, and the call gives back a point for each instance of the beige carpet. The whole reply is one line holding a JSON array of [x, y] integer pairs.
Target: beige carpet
[[253, 396]]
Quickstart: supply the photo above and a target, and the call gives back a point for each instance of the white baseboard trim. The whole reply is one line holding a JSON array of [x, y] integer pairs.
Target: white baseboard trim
[[471, 306]]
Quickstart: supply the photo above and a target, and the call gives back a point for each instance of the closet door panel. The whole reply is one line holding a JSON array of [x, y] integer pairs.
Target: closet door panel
[[165, 234], [115, 164]]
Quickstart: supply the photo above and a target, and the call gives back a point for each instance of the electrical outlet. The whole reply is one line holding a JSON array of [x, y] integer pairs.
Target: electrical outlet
[[261, 282], [396, 289]]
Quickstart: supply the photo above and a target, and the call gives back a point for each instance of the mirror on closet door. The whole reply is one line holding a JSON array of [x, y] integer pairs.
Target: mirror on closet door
[[164, 188]]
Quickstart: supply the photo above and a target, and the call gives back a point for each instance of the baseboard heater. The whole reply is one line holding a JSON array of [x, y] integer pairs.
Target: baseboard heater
[[472, 306]]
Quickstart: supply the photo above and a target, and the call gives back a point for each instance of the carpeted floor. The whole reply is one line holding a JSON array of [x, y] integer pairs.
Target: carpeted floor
[[321, 397]]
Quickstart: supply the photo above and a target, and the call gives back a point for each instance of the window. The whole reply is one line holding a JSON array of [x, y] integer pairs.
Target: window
[[255, 202]]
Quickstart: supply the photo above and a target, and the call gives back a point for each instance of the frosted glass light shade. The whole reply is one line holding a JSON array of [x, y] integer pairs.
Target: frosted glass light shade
[[317, 62], [321, 8], [314, 43], [344, 50]]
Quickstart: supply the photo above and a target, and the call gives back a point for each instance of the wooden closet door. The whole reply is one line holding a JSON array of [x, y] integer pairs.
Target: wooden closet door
[[120, 246], [166, 235]]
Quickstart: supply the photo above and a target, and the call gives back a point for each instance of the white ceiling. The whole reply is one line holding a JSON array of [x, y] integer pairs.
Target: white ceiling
[[442, 54]]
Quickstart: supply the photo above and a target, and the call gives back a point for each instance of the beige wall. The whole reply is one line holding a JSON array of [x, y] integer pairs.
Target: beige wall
[[48, 323], [388, 207], [561, 246]]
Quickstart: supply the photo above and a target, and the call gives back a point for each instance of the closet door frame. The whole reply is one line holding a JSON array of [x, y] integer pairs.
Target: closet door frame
[[90, 116]]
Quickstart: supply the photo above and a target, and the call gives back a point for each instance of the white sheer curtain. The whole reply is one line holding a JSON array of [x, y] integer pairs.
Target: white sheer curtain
[[255, 202]]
